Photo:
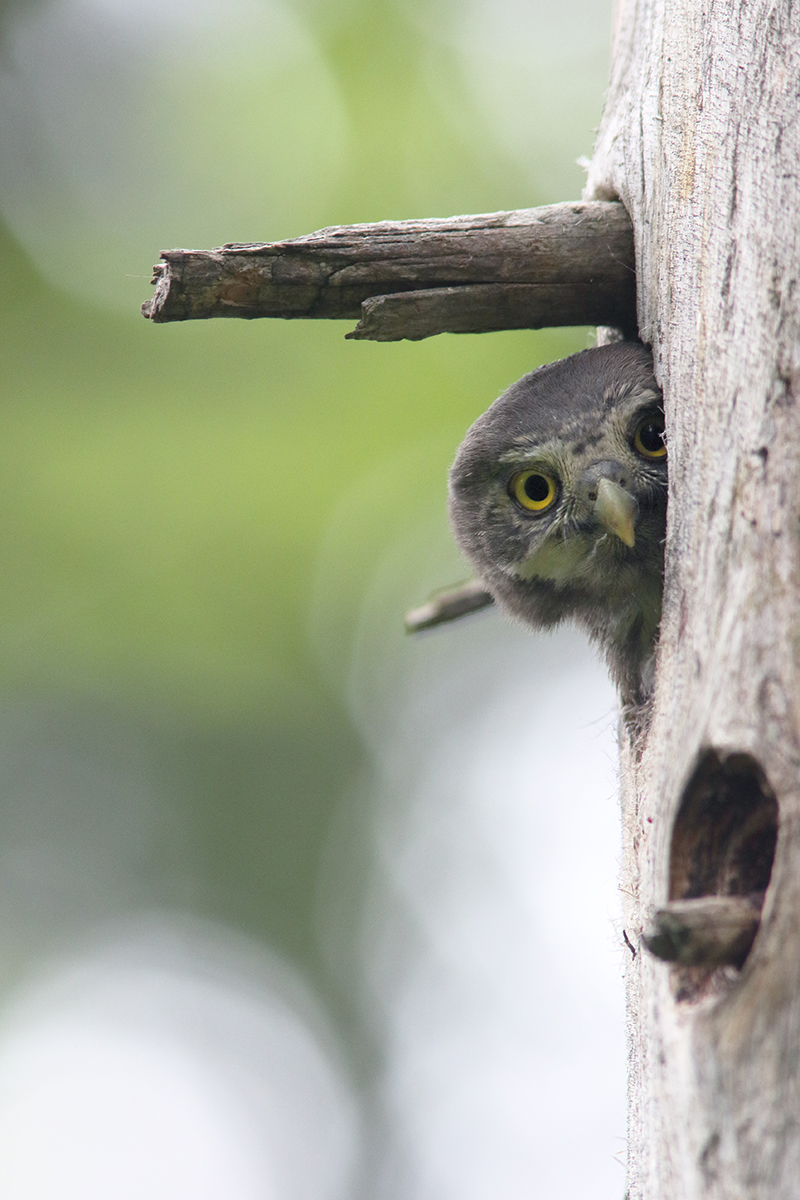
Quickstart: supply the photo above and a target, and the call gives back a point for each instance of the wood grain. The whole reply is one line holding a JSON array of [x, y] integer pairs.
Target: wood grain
[[563, 264], [701, 140]]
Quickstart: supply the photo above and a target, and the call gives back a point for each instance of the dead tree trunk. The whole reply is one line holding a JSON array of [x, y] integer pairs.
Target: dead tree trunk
[[701, 141]]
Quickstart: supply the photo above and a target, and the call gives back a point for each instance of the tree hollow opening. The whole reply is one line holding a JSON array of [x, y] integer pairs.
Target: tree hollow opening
[[723, 845], [723, 842]]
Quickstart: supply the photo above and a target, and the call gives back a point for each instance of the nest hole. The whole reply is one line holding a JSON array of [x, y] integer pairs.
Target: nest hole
[[723, 843]]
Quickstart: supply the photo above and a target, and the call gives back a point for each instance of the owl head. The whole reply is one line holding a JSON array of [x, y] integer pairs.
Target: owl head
[[558, 497]]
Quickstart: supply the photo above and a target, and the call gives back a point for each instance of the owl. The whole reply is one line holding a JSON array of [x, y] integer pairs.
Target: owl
[[558, 497]]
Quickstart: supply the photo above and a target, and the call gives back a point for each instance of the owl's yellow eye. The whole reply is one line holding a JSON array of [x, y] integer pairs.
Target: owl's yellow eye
[[533, 490], [649, 437]]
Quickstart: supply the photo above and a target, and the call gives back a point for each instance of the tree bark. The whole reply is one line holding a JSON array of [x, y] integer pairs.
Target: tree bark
[[562, 264], [701, 141]]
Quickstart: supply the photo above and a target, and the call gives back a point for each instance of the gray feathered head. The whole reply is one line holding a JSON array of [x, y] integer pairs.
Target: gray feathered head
[[558, 498]]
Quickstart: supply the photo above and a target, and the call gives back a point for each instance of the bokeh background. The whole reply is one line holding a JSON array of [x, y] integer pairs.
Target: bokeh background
[[291, 907]]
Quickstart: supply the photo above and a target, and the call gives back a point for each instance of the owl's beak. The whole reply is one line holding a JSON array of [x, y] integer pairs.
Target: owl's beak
[[616, 510]]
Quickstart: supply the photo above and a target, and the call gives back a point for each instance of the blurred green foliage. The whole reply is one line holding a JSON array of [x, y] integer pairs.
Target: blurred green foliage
[[166, 492]]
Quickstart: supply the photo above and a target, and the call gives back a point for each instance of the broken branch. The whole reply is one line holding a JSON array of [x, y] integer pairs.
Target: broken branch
[[564, 264], [448, 605], [708, 931]]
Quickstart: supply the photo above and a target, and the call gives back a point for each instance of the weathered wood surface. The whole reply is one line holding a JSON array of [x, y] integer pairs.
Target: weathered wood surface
[[564, 264], [709, 931], [485, 308], [701, 140]]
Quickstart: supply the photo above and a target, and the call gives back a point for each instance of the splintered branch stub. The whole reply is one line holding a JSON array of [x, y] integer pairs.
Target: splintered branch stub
[[563, 264]]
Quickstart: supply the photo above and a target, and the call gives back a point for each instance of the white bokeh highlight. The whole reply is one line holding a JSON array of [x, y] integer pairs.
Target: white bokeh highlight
[[537, 73], [176, 1061], [492, 954]]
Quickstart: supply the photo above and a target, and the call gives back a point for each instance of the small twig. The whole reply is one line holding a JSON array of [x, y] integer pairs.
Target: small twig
[[448, 605], [708, 931], [563, 264]]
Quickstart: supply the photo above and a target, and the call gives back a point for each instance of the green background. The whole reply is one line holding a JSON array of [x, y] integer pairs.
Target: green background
[[191, 515]]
